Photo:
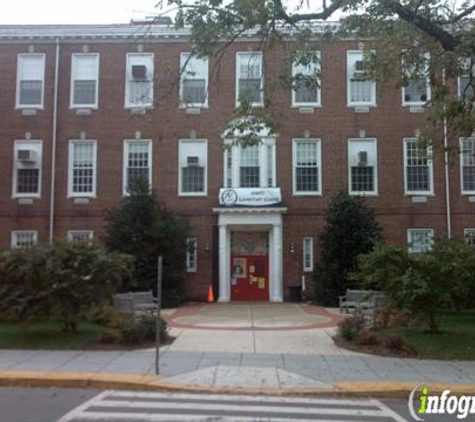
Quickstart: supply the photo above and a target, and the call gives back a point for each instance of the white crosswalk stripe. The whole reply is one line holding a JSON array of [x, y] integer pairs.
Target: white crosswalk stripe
[[156, 406]]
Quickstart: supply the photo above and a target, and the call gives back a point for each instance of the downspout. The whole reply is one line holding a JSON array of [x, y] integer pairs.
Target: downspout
[[446, 168], [53, 145]]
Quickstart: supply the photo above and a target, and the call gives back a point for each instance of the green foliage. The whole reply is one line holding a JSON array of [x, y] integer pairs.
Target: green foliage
[[142, 227], [426, 284], [351, 229], [58, 281], [350, 328], [105, 315], [139, 330]]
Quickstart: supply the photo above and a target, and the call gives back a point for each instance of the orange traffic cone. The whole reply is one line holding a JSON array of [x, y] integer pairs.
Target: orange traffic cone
[[210, 294]]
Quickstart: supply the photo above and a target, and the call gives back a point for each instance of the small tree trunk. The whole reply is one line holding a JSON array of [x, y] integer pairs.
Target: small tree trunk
[[433, 322]]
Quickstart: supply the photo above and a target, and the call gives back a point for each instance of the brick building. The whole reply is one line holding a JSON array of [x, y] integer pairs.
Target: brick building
[[86, 109]]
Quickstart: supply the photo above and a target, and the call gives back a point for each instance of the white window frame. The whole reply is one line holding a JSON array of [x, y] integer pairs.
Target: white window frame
[[312, 67], [184, 76], [125, 162], [240, 54], [468, 234], [462, 140], [318, 143], [307, 242], [428, 87], [128, 71], [465, 64], [71, 193], [180, 166], [15, 234], [74, 58], [88, 233], [375, 191], [349, 73], [235, 152], [192, 268], [37, 146], [18, 82], [430, 163], [409, 238]]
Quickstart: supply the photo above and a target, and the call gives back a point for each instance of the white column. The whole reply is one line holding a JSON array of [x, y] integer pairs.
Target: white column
[[224, 287], [277, 293]]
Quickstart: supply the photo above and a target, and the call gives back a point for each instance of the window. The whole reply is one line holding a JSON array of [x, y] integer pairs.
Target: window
[[307, 167], [466, 80], [137, 162], [469, 236], [306, 83], [361, 90], [82, 168], [417, 91], [418, 168], [84, 80], [308, 254], [191, 255], [193, 163], [420, 240], [250, 167], [249, 83], [27, 165], [363, 166], [80, 236], [139, 80], [194, 81], [467, 165], [24, 239], [30, 80]]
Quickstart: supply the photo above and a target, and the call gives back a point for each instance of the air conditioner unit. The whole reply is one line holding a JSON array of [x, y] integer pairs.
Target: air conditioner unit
[[193, 161], [139, 72], [26, 155], [363, 158], [359, 70]]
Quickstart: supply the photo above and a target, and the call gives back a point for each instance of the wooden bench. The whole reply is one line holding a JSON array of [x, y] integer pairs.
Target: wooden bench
[[133, 303], [358, 300]]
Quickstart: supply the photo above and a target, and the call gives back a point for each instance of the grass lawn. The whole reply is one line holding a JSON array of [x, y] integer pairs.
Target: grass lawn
[[47, 336], [456, 340]]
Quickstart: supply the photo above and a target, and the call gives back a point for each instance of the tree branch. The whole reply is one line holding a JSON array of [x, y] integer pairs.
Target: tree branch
[[461, 15], [299, 17]]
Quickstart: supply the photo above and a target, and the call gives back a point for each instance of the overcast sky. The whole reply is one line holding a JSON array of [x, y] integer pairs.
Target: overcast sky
[[74, 11]]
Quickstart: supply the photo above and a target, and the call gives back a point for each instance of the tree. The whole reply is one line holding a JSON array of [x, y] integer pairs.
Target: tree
[[142, 227], [351, 230], [400, 31]]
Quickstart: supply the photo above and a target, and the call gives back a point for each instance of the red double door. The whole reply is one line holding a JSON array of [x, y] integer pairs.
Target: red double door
[[250, 277]]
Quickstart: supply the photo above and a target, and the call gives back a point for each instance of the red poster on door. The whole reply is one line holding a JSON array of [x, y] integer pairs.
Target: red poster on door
[[250, 277]]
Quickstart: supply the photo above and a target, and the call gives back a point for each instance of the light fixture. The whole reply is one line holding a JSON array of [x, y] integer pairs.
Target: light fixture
[[292, 248], [207, 247]]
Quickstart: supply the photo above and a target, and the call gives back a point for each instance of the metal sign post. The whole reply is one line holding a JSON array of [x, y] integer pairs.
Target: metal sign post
[[158, 327]]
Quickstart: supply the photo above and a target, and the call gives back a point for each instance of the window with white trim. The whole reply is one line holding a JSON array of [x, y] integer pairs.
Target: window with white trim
[[418, 171], [417, 91], [249, 81], [466, 80], [30, 80], [82, 168], [24, 238], [363, 166], [307, 166], [467, 165], [194, 80], [250, 167], [306, 83], [191, 255], [137, 162], [80, 236], [308, 254], [139, 80], [193, 164], [469, 236], [84, 80], [361, 89], [420, 240], [27, 169]]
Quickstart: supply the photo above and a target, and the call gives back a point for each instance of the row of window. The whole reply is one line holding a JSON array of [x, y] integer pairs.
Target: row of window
[[249, 167], [139, 83]]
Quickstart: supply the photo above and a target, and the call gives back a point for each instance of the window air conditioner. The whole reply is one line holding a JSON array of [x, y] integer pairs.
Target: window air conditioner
[[193, 161], [363, 158], [139, 72], [26, 155], [359, 70]]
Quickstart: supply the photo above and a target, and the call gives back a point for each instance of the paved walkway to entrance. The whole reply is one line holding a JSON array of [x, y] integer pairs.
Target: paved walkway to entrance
[[253, 316]]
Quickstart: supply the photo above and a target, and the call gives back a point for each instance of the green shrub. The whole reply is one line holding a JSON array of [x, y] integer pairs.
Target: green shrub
[[105, 315], [366, 338], [139, 330], [349, 328]]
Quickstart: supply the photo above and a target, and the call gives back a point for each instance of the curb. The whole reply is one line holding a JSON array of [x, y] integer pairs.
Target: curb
[[105, 381]]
